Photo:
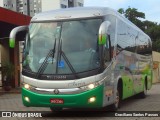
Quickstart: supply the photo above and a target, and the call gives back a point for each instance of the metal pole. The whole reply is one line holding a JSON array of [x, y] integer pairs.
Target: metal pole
[[28, 7]]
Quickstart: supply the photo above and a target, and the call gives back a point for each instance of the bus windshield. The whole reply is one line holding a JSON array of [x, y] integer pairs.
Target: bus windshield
[[62, 47]]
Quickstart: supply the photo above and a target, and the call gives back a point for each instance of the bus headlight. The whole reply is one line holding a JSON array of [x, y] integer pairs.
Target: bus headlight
[[92, 85], [27, 86]]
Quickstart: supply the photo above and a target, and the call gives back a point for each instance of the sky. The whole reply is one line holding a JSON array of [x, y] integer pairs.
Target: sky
[[151, 8], [1, 2]]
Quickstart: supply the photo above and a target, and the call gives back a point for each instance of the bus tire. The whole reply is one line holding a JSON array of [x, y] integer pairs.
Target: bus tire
[[56, 109], [144, 93]]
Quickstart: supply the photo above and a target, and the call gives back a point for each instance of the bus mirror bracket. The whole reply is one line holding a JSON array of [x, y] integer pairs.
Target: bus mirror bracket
[[13, 34], [102, 40], [103, 32]]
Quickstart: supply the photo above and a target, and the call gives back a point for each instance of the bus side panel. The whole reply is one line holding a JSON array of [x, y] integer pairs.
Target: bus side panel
[[108, 96], [144, 56], [149, 76], [127, 87]]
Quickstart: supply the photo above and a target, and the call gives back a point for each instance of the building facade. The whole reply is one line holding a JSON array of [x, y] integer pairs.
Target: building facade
[[32, 7], [27, 7], [57, 4], [156, 67]]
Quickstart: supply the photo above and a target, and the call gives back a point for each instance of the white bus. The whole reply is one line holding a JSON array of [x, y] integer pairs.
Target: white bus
[[83, 58]]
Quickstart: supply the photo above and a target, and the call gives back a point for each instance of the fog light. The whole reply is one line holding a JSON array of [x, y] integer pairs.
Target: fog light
[[27, 99], [92, 99], [26, 86]]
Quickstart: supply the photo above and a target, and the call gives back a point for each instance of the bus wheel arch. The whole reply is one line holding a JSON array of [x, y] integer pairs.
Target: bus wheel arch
[[146, 82], [144, 92], [118, 95], [120, 90], [145, 86]]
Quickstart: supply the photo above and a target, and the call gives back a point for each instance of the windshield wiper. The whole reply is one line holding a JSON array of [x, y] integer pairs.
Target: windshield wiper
[[61, 53], [45, 62]]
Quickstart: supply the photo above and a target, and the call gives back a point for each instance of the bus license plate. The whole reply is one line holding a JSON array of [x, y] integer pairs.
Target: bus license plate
[[57, 101]]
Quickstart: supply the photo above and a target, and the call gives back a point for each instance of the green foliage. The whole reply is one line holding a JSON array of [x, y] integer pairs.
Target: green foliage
[[153, 32], [8, 70], [121, 10], [156, 45], [133, 15], [149, 27]]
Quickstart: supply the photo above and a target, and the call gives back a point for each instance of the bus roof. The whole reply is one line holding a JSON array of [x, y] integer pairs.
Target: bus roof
[[72, 13], [80, 12]]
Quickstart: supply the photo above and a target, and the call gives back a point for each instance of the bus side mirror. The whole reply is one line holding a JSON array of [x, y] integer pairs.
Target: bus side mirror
[[102, 40], [13, 34], [103, 32]]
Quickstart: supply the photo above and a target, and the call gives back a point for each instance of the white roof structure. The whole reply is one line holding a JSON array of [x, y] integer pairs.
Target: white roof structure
[[72, 13], [80, 12]]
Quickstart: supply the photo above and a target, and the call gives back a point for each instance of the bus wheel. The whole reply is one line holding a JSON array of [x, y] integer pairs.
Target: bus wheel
[[116, 103], [144, 93], [56, 109]]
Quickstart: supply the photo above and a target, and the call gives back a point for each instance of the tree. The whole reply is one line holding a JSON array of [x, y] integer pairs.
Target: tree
[[121, 10], [152, 29], [133, 15], [149, 27], [156, 45]]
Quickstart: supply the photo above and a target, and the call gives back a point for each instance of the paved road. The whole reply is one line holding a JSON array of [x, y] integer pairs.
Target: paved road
[[12, 102]]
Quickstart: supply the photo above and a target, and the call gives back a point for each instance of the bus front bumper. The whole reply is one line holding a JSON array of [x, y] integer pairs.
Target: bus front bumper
[[81, 100]]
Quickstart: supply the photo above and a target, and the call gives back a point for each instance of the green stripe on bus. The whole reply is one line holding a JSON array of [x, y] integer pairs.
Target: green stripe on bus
[[70, 101]]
